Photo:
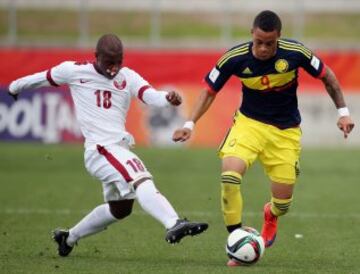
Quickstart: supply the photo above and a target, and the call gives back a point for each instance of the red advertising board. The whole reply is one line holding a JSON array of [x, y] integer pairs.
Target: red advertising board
[[180, 70]]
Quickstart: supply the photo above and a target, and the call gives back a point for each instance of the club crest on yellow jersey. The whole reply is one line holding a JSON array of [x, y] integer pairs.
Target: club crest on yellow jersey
[[232, 142], [281, 65]]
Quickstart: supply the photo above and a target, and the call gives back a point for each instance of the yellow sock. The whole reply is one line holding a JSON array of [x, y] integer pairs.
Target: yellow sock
[[280, 206], [231, 200]]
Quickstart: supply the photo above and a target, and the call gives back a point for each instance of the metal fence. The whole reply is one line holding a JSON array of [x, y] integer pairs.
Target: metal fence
[[223, 10]]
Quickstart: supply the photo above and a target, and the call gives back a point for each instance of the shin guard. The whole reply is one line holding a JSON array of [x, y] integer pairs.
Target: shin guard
[[231, 199]]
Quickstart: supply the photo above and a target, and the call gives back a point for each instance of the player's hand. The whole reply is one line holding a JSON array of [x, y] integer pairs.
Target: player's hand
[[345, 124], [181, 134], [14, 96], [12, 90], [174, 98]]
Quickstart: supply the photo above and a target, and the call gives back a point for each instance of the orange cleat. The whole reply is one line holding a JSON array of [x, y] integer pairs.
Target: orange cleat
[[232, 263], [269, 228]]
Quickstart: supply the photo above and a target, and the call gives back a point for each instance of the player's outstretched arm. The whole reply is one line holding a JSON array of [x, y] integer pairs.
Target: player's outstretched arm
[[158, 98], [31, 81], [345, 123], [201, 106]]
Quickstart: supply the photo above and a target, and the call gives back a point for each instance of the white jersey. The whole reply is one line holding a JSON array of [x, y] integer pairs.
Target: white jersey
[[101, 104]]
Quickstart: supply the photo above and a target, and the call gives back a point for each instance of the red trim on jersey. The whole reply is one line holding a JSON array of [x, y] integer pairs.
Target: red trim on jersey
[[288, 85], [50, 79], [209, 89], [115, 163], [323, 72], [141, 92]]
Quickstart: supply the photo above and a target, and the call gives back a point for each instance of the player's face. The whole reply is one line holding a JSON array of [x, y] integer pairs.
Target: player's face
[[264, 43], [109, 65]]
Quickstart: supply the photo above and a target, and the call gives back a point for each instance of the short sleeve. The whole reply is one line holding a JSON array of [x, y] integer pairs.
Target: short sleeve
[[137, 84], [60, 74], [220, 73], [311, 63]]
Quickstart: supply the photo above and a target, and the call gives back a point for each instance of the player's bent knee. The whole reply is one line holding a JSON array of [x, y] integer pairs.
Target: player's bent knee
[[121, 209], [231, 163], [137, 183], [280, 207]]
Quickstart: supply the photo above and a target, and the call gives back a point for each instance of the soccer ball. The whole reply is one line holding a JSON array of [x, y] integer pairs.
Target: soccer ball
[[245, 246]]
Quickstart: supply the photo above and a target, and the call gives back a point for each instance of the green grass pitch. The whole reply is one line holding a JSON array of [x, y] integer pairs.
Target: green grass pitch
[[46, 186]]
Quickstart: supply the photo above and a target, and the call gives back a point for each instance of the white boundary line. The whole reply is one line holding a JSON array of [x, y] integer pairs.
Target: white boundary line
[[45, 211]]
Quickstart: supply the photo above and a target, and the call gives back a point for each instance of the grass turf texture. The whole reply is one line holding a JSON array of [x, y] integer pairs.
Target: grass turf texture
[[43, 187]]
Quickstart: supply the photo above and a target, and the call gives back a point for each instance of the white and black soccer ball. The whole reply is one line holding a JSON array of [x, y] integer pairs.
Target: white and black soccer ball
[[245, 246]]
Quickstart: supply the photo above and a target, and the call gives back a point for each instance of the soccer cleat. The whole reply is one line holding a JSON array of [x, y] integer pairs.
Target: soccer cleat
[[60, 236], [232, 263], [269, 228], [184, 228]]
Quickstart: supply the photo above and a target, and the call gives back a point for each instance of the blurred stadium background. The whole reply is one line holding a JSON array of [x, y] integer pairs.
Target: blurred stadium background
[[173, 44]]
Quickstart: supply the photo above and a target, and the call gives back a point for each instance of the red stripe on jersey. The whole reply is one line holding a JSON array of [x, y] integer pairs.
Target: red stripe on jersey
[[141, 92], [50, 79], [115, 163], [323, 72]]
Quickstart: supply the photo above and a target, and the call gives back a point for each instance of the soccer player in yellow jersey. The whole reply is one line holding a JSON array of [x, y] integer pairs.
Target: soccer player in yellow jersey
[[266, 126]]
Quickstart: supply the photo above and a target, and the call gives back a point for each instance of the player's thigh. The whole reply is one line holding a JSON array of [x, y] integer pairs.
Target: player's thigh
[[281, 155], [118, 169], [243, 141]]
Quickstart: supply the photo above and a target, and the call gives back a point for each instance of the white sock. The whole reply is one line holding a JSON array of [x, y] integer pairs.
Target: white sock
[[96, 221], [155, 204]]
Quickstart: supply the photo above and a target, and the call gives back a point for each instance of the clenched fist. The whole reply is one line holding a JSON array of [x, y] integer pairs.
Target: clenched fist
[[345, 124], [182, 134], [174, 98]]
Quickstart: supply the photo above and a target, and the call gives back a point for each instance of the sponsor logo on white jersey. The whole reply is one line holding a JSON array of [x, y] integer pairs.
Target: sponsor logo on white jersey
[[83, 81]]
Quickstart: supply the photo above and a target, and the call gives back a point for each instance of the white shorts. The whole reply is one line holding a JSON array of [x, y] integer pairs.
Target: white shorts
[[117, 168]]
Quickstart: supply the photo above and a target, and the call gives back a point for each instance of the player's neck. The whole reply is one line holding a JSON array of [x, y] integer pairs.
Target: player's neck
[[263, 60], [97, 68]]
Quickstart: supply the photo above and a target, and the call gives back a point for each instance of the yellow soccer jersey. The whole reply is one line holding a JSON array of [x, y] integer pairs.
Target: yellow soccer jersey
[[269, 87]]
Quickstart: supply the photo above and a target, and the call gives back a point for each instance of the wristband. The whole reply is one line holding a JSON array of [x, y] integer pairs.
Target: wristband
[[343, 112], [189, 125]]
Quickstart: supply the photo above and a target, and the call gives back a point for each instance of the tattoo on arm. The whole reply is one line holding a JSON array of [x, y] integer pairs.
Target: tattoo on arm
[[333, 88]]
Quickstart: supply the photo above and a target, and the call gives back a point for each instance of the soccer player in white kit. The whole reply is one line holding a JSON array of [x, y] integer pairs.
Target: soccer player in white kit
[[102, 92]]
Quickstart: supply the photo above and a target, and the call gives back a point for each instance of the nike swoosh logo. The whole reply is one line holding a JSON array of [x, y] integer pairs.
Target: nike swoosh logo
[[82, 81]]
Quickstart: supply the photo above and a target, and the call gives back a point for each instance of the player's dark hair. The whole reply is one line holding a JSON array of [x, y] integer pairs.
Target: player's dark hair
[[109, 45], [267, 21]]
